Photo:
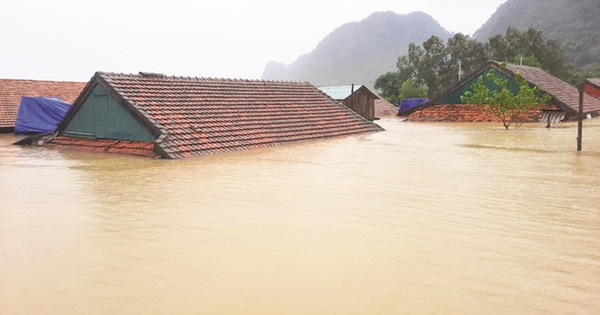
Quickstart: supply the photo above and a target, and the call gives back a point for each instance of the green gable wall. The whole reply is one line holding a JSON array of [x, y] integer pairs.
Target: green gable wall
[[101, 116], [454, 97]]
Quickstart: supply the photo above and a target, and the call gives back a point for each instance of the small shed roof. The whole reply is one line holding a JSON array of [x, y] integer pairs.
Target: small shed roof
[[12, 90], [339, 92], [594, 81], [199, 116], [591, 87]]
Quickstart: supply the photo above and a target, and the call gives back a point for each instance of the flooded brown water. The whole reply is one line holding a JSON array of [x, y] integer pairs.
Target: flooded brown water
[[419, 219]]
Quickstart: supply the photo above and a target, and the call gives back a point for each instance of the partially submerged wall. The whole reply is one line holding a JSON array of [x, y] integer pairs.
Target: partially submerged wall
[[469, 113]]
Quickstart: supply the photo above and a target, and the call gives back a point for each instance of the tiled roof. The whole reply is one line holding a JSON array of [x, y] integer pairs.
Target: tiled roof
[[126, 147], [199, 116], [11, 92], [562, 91], [384, 108], [565, 96]]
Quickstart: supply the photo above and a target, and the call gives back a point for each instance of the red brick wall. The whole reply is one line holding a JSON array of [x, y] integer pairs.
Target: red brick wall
[[467, 113]]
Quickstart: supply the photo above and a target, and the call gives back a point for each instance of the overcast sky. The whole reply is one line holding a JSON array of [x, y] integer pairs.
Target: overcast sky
[[72, 39]]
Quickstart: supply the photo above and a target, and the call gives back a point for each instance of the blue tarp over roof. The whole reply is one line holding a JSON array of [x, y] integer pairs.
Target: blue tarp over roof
[[40, 114], [408, 103]]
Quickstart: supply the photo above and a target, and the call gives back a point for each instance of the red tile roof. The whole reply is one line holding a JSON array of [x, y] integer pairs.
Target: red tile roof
[[563, 92], [137, 148], [11, 92], [199, 116]]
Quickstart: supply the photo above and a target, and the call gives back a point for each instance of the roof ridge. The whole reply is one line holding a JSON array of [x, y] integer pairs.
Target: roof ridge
[[197, 78], [36, 80]]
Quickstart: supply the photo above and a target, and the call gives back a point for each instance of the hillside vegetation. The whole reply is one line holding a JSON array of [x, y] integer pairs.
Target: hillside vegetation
[[358, 52], [575, 25]]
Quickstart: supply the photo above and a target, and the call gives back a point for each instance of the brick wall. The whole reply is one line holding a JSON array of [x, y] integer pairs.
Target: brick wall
[[468, 113]]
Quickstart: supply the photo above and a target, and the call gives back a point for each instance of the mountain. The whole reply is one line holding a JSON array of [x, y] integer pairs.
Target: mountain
[[575, 24], [359, 52]]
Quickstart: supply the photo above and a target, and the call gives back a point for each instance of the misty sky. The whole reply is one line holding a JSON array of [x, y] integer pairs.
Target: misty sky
[[72, 39]]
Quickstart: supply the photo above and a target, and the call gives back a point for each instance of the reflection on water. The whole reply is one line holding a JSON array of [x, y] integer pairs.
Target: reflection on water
[[421, 218]]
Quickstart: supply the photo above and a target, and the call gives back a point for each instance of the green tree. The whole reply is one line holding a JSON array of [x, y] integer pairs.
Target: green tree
[[410, 89], [529, 48], [500, 101], [437, 65], [466, 56], [389, 85]]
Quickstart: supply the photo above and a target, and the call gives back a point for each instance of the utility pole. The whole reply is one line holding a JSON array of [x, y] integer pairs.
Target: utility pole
[[580, 118]]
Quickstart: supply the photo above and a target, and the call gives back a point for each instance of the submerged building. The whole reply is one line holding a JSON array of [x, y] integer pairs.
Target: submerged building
[[11, 92], [362, 100], [592, 87], [171, 117], [563, 106]]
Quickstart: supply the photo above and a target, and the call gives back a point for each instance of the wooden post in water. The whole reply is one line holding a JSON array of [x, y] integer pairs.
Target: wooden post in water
[[580, 118]]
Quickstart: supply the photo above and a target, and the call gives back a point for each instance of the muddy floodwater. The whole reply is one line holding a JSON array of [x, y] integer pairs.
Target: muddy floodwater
[[419, 219]]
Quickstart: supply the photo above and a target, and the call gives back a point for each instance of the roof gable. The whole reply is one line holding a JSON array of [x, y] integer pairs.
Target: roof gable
[[101, 116], [12, 90], [199, 116]]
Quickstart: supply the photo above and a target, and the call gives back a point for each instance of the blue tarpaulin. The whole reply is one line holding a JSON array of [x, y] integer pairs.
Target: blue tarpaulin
[[40, 114], [408, 103]]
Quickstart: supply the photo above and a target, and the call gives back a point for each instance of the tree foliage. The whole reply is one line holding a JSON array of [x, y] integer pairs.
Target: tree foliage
[[527, 47], [389, 85], [437, 65], [500, 101], [410, 89]]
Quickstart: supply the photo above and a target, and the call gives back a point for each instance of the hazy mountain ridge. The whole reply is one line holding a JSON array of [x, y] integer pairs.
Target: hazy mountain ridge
[[358, 52], [574, 24]]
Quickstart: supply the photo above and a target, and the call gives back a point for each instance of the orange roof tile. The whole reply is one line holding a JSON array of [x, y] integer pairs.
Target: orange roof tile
[[562, 91], [199, 116], [11, 92]]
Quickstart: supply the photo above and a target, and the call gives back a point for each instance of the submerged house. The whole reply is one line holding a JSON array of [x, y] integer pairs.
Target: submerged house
[[563, 106], [592, 87], [361, 99], [174, 117], [11, 92]]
